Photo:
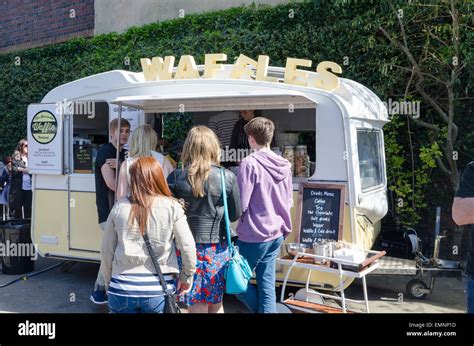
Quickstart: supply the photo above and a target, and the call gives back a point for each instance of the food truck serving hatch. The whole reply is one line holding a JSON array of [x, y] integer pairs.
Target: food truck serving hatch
[[222, 101]]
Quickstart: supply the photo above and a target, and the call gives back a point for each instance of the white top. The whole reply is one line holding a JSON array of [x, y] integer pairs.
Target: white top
[[139, 285], [164, 162], [26, 184]]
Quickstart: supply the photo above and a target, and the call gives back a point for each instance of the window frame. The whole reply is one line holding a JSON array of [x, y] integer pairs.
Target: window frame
[[70, 138], [380, 148]]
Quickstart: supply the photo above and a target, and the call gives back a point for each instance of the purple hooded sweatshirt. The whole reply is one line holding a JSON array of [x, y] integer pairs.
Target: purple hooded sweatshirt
[[266, 191]]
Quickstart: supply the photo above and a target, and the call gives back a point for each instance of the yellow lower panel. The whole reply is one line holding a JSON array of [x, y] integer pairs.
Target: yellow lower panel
[[85, 231], [367, 232], [50, 221], [50, 225]]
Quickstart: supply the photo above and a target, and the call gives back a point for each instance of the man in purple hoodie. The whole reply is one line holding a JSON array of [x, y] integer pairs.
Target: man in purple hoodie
[[265, 183]]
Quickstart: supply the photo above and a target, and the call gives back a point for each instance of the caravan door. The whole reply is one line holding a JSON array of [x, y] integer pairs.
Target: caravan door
[[89, 130]]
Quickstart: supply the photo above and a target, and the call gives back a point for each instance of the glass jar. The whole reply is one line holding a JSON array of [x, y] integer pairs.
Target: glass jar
[[302, 162], [277, 151], [289, 154]]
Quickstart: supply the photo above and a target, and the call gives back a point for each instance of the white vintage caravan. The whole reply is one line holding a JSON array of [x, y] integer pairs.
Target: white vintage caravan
[[346, 125]]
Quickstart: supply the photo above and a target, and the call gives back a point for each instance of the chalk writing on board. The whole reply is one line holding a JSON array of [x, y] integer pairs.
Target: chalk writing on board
[[320, 211]]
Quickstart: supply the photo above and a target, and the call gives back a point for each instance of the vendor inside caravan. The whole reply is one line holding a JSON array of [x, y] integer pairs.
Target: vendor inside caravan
[[239, 139]]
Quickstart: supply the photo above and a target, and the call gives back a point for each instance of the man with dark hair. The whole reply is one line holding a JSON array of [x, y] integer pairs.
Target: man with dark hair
[[463, 214], [239, 139], [105, 166], [266, 190]]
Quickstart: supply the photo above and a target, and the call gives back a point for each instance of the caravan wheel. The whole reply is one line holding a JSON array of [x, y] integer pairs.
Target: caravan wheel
[[414, 288]]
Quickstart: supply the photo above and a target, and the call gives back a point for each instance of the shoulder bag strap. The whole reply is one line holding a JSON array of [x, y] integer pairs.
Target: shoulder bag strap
[[155, 263], [226, 210]]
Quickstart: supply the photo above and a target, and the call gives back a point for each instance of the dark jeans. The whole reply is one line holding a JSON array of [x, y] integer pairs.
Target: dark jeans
[[24, 199], [261, 258], [133, 305], [470, 294]]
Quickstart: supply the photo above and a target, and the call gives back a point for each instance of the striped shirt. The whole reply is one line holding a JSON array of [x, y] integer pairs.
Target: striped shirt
[[140, 285], [222, 124]]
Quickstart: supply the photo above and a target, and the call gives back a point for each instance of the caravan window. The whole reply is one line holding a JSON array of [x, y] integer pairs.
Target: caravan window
[[369, 144], [90, 131]]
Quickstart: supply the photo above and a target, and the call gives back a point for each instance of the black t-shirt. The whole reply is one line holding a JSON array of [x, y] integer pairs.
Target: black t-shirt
[[466, 190], [239, 139], [104, 197]]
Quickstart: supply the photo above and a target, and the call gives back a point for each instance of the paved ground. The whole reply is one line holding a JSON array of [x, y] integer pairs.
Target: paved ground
[[56, 291]]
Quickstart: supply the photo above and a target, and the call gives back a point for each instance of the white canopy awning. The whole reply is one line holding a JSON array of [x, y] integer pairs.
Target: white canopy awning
[[222, 101]]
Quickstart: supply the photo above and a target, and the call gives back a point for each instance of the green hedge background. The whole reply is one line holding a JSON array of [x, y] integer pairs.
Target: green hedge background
[[318, 30]]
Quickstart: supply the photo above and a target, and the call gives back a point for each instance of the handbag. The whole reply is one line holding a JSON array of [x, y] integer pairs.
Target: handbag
[[171, 307], [238, 272]]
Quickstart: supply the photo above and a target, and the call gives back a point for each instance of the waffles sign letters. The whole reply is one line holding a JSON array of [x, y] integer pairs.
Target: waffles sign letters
[[162, 69]]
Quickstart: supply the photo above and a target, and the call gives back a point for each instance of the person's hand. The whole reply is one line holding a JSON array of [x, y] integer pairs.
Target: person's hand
[[112, 163], [183, 287]]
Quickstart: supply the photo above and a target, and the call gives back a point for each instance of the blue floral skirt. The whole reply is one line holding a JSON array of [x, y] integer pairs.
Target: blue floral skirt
[[209, 284]]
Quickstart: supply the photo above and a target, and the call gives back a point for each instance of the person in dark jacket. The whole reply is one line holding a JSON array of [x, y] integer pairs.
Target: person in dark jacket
[[239, 138], [20, 188], [463, 215], [5, 180], [198, 183]]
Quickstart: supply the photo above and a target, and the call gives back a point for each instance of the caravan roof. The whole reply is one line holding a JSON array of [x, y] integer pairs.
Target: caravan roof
[[131, 89]]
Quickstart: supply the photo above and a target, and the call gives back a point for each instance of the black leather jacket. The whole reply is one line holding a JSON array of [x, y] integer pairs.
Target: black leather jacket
[[206, 214], [16, 183]]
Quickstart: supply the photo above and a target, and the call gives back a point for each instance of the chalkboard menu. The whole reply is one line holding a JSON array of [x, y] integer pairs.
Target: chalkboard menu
[[320, 212], [82, 158]]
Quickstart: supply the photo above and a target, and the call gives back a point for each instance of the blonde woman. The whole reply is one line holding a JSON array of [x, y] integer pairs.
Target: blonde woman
[[143, 142], [198, 183]]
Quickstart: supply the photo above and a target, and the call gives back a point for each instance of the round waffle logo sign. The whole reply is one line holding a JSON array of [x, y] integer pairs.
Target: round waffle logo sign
[[44, 127]]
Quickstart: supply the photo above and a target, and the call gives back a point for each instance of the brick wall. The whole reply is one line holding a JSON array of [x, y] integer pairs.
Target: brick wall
[[34, 23]]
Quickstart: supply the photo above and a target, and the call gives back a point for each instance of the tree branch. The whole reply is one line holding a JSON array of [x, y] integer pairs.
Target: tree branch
[[417, 70], [407, 52], [430, 100], [425, 124], [442, 166], [409, 83], [423, 73], [437, 38]]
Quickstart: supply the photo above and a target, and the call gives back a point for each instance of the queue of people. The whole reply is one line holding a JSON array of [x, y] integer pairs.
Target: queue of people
[[15, 182], [182, 213]]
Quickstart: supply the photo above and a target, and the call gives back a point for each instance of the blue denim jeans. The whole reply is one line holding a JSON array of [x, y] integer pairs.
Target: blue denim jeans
[[470, 294], [262, 258], [133, 305]]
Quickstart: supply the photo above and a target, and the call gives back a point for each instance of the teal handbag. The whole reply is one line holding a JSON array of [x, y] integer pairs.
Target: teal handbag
[[238, 272]]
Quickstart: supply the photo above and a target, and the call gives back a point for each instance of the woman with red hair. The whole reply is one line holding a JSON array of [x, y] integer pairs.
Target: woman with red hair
[[132, 283]]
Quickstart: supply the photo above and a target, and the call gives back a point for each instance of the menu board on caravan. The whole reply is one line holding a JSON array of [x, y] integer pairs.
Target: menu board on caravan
[[320, 212]]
